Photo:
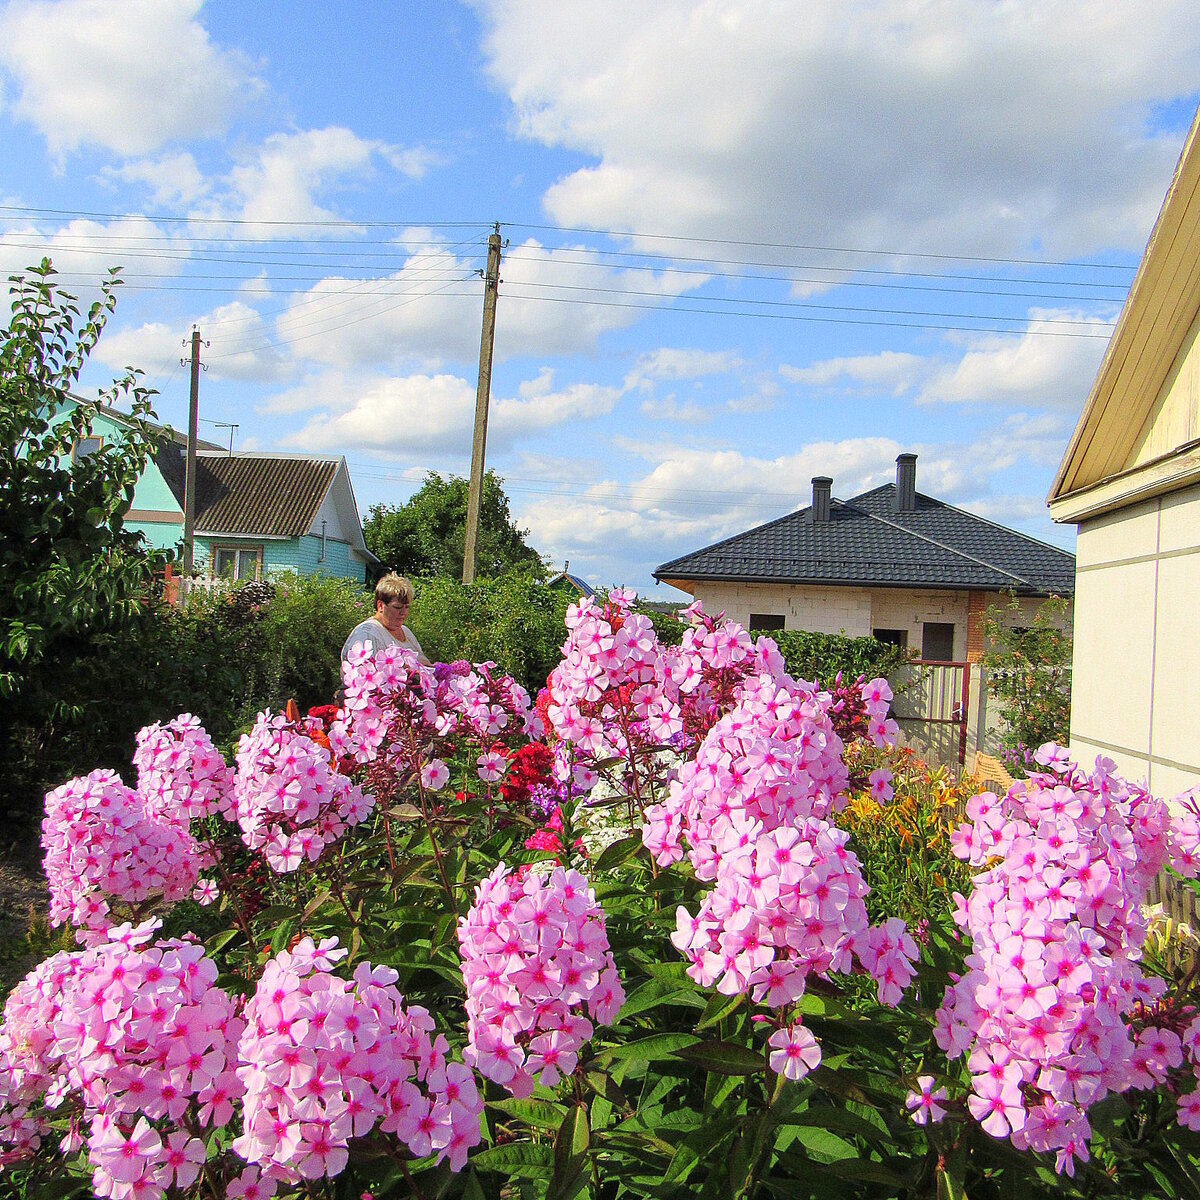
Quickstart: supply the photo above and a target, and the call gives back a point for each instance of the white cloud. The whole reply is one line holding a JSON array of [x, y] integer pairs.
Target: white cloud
[[431, 413], [129, 77], [237, 346], [428, 312], [83, 251], [172, 180], [669, 408], [959, 127], [1037, 369], [289, 170], [891, 370], [415, 162], [678, 363]]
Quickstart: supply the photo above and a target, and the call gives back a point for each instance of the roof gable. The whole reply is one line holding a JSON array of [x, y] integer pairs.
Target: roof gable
[[867, 544], [1157, 324], [250, 494]]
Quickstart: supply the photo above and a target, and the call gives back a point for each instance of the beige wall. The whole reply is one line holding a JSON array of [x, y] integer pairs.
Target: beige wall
[[852, 611], [1136, 684]]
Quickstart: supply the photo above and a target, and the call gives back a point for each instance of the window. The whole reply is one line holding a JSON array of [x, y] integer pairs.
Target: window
[[237, 563], [766, 621], [891, 637], [937, 641], [86, 447]]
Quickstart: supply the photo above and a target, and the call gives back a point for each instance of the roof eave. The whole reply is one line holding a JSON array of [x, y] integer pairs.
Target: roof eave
[[1148, 282], [687, 583]]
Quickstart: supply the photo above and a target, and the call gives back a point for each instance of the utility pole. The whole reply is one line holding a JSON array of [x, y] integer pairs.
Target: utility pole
[[491, 287], [189, 475]]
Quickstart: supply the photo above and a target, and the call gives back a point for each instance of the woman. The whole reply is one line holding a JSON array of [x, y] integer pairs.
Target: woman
[[393, 598]]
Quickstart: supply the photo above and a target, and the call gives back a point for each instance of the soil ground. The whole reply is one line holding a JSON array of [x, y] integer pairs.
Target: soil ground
[[23, 902]]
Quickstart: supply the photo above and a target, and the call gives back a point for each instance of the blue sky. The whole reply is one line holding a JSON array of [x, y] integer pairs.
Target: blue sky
[[748, 243]]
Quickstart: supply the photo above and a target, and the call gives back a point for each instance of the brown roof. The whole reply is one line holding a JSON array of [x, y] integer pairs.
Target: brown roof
[[254, 495]]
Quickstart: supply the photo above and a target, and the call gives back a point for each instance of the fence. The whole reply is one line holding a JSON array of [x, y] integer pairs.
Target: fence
[[933, 708]]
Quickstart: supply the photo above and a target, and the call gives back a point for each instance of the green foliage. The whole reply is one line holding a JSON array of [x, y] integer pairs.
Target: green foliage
[[1029, 673], [222, 657], [513, 620], [425, 536], [820, 657], [69, 570], [73, 580]]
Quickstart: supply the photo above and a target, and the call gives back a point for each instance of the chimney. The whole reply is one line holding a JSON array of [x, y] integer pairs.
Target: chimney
[[906, 483], [822, 485]]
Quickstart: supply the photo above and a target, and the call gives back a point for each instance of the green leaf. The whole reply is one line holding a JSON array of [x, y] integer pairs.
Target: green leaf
[[723, 1058], [718, 1008], [655, 1048], [220, 940], [517, 1158], [405, 812], [541, 1114], [619, 852], [570, 1154], [281, 936], [473, 1189], [823, 1145], [655, 992]]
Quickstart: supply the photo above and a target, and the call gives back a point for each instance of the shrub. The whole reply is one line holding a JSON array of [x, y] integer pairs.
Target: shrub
[[513, 620], [1029, 673], [821, 657]]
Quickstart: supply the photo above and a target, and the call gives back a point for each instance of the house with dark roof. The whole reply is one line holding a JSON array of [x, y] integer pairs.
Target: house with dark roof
[[892, 562], [256, 514]]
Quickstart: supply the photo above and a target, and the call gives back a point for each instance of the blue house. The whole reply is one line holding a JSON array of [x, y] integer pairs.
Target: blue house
[[256, 514]]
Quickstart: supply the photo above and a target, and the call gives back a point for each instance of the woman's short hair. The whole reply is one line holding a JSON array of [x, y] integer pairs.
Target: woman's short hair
[[393, 587]]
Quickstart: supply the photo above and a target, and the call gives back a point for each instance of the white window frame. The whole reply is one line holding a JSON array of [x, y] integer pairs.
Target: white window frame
[[237, 550]]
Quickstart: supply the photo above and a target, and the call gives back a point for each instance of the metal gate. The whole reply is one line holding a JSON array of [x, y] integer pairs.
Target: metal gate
[[938, 693]]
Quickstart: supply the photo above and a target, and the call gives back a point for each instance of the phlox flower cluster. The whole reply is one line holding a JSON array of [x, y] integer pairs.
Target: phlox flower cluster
[[1056, 925], [180, 773], [753, 811], [485, 703], [289, 800], [613, 687], [123, 1033], [104, 841], [399, 713], [535, 954], [324, 1060]]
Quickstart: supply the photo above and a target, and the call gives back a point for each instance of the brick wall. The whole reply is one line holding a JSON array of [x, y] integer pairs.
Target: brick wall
[[977, 605]]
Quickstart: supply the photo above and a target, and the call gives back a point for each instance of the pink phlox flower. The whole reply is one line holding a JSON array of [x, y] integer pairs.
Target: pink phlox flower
[[925, 1102], [794, 1052]]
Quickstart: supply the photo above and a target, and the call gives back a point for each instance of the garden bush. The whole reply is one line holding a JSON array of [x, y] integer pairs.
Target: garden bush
[[222, 656], [821, 657], [512, 619], [1029, 673], [633, 938]]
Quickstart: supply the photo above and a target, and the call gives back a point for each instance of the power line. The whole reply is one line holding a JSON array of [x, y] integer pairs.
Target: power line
[[614, 234], [193, 219], [677, 307], [806, 304], [671, 237]]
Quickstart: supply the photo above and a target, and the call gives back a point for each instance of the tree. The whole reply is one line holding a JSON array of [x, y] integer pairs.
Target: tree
[[70, 574], [425, 536]]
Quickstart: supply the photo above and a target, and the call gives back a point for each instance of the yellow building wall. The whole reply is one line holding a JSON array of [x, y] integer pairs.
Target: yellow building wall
[[1136, 679]]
